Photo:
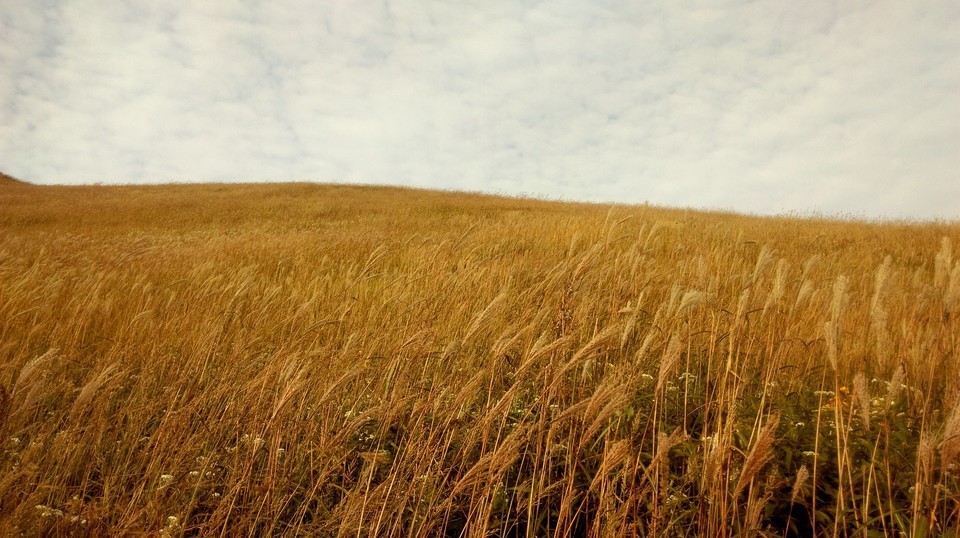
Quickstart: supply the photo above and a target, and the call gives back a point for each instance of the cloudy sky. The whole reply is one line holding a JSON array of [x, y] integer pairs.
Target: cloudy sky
[[848, 107]]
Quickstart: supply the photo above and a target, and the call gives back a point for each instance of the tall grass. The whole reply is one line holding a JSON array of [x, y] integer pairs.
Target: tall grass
[[322, 360]]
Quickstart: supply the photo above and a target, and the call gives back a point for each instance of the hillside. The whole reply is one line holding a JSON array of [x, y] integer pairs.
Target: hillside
[[10, 181], [284, 359]]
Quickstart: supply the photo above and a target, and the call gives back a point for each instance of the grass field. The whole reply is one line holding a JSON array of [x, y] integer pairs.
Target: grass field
[[298, 359]]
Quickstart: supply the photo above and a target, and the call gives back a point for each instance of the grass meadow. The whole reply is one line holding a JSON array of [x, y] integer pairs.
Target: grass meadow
[[318, 360]]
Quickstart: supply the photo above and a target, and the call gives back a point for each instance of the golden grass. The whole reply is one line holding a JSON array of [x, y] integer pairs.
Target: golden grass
[[332, 360]]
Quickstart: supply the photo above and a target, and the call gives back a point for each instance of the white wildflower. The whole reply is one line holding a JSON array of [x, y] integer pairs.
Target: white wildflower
[[46, 511]]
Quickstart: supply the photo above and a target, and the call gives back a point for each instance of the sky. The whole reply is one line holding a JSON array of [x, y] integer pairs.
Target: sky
[[845, 108]]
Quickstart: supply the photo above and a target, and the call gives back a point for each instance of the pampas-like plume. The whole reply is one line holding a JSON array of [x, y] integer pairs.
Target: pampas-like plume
[[764, 259], [950, 446], [802, 475], [670, 359], [830, 334], [779, 282], [942, 263], [840, 299], [862, 392], [690, 299], [878, 313], [896, 385], [759, 454]]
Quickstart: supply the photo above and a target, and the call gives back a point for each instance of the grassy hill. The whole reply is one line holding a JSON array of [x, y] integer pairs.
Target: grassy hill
[[283, 359], [10, 181]]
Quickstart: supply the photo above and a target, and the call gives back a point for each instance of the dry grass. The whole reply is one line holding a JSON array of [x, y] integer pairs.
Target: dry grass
[[323, 360]]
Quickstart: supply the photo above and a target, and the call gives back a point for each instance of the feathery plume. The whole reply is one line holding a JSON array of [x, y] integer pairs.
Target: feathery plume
[[760, 453]]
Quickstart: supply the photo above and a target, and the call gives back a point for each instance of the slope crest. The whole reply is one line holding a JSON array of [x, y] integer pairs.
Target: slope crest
[[7, 180]]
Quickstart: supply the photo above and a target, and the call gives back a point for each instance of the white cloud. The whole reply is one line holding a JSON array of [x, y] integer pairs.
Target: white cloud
[[757, 106]]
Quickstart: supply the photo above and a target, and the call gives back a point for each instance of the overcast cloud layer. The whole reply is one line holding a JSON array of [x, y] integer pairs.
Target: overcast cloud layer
[[761, 106]]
